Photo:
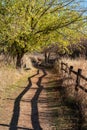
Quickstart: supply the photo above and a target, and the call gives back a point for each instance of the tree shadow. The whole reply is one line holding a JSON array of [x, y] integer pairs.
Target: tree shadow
[[34, 104], [21, 128], [16, 110]]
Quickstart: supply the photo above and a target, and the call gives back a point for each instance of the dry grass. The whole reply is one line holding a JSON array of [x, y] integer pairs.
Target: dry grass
[[77, 63], [65, 117], [10, 77], [80, 96]]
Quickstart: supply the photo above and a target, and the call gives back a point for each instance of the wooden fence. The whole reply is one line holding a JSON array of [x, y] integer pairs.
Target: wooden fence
[[69, 70]]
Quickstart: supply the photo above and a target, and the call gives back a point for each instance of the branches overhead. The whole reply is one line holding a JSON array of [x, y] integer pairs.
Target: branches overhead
[[27, 24]]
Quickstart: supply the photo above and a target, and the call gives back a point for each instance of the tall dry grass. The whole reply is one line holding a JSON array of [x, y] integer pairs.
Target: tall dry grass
[[79, 96], [9, 76]]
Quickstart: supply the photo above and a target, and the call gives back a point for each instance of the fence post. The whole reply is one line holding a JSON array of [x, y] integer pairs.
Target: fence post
[[78, 79], [66, 69], [62, 67], [58, 66], [70, 70]]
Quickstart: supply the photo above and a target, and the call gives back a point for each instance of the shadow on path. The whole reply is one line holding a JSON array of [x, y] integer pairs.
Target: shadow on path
[[34, 104], [21, 128], [16, 110]]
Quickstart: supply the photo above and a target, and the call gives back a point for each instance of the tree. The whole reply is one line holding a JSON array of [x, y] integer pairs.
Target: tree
[[29, 25]]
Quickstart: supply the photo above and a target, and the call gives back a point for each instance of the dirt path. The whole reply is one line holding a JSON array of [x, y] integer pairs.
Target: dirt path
[[28, 111], [33, 109]]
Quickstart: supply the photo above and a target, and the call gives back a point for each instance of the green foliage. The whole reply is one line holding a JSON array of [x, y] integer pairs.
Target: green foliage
[[29, 25]]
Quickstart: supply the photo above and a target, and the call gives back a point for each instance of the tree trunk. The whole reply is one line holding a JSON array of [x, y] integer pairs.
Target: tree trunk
[[18, 62], [48, 58], [45, 57]]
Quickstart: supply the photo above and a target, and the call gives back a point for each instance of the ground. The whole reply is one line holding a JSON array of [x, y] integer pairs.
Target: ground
[[36, 106], [27, 108]]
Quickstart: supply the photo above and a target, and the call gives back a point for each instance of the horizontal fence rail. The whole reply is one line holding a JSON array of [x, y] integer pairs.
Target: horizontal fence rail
[[69, 70]]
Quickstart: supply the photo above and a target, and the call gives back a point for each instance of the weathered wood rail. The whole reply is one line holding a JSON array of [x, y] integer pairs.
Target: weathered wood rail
[[69, 70]]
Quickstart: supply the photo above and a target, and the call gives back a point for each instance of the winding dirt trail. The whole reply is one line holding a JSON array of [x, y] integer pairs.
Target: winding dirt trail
[[30, 110], [33, 108]]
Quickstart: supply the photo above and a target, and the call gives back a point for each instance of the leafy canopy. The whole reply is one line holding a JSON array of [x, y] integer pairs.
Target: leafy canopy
[[29, 25]]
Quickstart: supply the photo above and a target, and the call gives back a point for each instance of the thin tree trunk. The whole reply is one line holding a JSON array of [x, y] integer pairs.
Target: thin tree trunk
[[18, 62], [45, 57], [48, 58]]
